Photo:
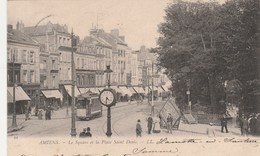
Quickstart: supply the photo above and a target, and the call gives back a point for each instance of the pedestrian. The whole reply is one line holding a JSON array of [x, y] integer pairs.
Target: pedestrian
[[252, 124], [169, 123], [39, 114], [156, 125], [150, 123], [138, 129], [223, 121], [244, 126], [210, 130], [83, 133], [26, 113], [88, 134]]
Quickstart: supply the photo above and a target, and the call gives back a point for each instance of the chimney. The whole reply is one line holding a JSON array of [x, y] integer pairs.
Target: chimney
[[115, 32], [122, 38], [9, 28], [20, 26], [65, 27]]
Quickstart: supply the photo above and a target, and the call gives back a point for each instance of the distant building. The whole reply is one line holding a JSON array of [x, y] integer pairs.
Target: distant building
[[119, 52]]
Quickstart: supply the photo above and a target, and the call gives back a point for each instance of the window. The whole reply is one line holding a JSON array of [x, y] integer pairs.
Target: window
[[60, 39], [32, 77], [61, 57], [16, 59], [25, 76], [31, 57], [53, 81], [9, 55], [24, 56], [82, 63], [53, 64], [69, 74]]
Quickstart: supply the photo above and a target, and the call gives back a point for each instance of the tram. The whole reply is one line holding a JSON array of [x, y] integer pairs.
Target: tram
[[88, 106]]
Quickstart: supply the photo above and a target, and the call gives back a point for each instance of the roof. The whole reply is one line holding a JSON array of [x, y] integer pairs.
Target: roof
[[42, 29], [109, 38], [20, 37]]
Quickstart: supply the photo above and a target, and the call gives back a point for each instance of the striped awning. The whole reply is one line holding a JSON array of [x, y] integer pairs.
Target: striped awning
[[125, 90], [20, 94], [52, 94], [139, 90]]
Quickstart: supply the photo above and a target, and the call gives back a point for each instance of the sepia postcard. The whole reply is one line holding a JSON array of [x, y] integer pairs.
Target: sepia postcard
[[131, 77]]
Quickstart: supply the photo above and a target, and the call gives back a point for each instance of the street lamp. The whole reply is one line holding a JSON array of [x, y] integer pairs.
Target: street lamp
[[14, 124], [109, 132], [108, 71], [73, 132]]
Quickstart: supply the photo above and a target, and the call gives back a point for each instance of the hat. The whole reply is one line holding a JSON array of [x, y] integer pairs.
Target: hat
[[211, 124], [138, 120]]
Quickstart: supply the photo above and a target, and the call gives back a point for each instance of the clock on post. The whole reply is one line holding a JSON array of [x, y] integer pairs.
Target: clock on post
[[107, 97]]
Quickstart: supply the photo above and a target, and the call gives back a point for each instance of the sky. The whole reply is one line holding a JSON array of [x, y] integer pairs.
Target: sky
[[137, 20]]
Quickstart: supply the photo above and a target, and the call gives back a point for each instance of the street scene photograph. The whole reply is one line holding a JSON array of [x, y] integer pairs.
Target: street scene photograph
[[133, 68]]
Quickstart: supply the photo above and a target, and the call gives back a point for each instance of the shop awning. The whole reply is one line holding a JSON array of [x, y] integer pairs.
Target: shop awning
[[165, 88], [93, 90], [100, 89], [160, 90], [139, 90], [125, 90], [118, 90], [52, 94], [68, 88], [147, 90], [131, 89], [20, 94]]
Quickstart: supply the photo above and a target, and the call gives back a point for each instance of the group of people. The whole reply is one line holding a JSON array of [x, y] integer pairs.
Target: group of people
[[85, 133], [248, 125], [154, 125]]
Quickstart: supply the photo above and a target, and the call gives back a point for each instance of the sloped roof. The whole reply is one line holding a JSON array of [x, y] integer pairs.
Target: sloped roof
[[18, 36], [41, 29], [109, 38], [94, 40]]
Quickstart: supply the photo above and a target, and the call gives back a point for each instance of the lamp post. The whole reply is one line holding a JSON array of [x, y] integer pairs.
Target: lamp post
[[73, 132], [67, 104], [14, 124], [152, 108], [109, 132]]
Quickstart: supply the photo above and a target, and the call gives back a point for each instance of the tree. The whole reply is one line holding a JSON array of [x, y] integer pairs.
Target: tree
[[216, 42]]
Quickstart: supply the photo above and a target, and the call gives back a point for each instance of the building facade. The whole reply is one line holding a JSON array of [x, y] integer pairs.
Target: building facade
[[23, 58]]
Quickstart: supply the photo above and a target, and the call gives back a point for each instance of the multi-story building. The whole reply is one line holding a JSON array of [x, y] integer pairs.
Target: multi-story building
[[23, 58], [119, 50], [55, 43]]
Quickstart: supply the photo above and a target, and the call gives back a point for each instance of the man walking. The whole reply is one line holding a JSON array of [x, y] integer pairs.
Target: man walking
[[150, 124], [169, 123]]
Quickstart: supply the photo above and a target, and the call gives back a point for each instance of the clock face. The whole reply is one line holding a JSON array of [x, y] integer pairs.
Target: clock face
[[107, 97]]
